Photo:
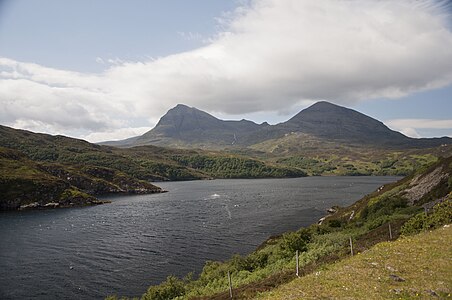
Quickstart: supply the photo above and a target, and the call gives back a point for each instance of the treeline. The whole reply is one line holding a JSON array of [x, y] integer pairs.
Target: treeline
[[235, 167]]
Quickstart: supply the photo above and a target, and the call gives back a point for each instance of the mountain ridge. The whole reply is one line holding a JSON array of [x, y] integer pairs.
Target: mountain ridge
[[188, 127]]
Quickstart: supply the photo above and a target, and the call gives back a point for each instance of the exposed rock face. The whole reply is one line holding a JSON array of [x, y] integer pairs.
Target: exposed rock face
[[423, 184], [431, 186]]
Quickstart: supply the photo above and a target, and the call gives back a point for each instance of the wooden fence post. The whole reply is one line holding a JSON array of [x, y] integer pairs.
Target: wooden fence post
[[297, 262], [390, 232], [351, 246], [230, 286]]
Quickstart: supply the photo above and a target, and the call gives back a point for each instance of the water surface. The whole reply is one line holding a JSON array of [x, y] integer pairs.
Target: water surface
[[123, 247]]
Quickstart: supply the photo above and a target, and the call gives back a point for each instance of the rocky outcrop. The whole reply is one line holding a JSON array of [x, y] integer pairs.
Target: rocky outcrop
[[430, 186], [46, 192], [424, 183], [25, 184], [100, 180]]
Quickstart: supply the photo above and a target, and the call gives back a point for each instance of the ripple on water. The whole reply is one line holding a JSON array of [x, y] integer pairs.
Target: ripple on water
[[122, 247]]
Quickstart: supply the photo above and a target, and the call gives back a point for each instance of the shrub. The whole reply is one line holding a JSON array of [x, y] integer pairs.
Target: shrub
[[334, 223], [169, 289], [442, 214], [383, 207], [294, 241]]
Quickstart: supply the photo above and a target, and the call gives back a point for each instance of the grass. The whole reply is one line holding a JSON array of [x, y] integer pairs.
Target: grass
[[422, 264]]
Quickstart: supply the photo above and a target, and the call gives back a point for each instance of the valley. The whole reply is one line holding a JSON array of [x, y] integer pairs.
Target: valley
[[189, 144]]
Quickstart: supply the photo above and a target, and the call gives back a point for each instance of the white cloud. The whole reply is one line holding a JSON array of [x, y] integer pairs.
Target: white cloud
[[117, 134], [273, 55], [410, 127]]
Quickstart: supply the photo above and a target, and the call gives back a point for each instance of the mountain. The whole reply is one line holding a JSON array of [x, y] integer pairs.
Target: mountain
[[183, 125], [188, 127], [330, 121]]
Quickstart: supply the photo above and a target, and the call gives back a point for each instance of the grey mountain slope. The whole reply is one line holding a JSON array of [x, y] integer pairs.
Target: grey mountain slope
[[188, 127], [327, 120]]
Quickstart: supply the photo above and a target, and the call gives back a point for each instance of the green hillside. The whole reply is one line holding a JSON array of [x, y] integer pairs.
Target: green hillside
[[26, 184], [38, 169], [318, 156], [416, 267], [146, 162]]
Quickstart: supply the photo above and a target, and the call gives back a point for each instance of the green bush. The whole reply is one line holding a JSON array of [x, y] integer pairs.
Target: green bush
[[383, 207], [249, 263], [441, 215], [293, 241], [335, 223], [169, 289]]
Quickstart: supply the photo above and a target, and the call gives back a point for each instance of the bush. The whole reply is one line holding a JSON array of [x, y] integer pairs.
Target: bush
[[249, 263], [169, 289], [334, 223], [294, 241], [442, 215], [383, 207]]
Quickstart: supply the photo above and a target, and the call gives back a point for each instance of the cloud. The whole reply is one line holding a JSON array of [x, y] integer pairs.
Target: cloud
[[118, 134], [271, 55], [410, 127]]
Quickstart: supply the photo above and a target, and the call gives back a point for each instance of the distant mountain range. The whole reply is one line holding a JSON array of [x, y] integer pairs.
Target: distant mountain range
[[189, 127]]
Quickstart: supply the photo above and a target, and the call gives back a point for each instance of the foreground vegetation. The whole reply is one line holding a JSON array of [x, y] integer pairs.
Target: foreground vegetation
[[402, 205], [411, 267]]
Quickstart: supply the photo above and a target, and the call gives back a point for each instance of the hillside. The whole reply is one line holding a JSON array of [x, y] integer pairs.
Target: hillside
[[146, 162], [49, 165], [417, 203], [26, 184], [412, 267]]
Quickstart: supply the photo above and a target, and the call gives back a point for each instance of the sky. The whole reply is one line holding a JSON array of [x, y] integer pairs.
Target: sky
[[109, 69]]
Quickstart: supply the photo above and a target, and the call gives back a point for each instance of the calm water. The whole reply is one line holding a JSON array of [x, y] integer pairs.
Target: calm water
[[123, 247]]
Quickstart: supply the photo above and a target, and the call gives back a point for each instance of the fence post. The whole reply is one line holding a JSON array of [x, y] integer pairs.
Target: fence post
[[390, 232], [297, 262], [351, 246], [230, 286]]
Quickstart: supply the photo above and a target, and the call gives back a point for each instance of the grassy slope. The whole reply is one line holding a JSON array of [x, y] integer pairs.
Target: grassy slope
[[423, 261], [318, 156]]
